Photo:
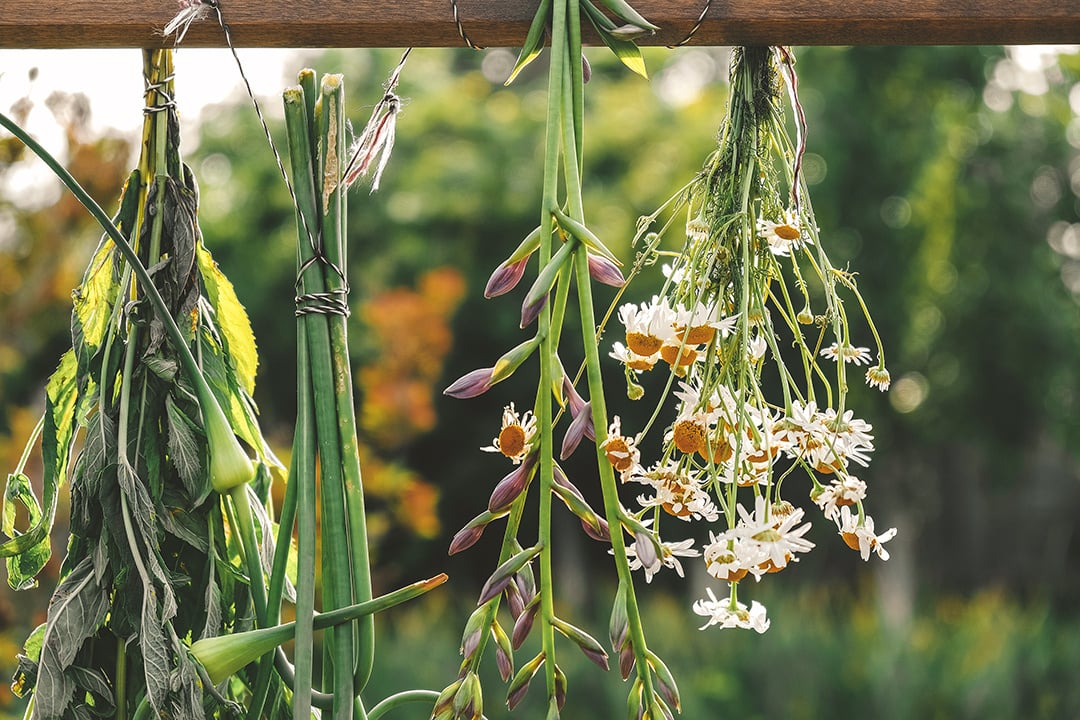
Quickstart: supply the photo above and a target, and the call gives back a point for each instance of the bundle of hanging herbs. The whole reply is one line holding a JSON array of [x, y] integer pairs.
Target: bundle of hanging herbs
[[176, 570]]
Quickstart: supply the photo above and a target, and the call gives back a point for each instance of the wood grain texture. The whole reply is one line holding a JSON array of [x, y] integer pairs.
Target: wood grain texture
[[429, 23]]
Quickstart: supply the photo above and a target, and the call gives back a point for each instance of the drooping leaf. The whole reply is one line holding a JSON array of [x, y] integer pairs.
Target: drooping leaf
[[186, 452], [93, 302], [78, 607], [28, 552], [153, 642], [534, 40], [232, 319], [627, 52]]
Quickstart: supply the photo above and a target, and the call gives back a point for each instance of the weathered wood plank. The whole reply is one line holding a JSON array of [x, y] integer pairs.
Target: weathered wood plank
[[429, 23]]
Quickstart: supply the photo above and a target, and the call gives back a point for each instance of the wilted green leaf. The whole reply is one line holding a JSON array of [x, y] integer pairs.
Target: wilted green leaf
[[78, 607], [186, 452], [232, 319]]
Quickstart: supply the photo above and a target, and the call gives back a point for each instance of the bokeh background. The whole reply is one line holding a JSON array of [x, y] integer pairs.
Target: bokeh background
[[948, 178]]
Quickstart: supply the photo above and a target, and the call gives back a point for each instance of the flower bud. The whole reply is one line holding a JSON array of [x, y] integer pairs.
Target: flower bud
[[467, 536], [512, 359], [588, 644], [581, 426], [520, 684], [505, 278], [524, 623], [504, 653], [474, 631], [665, 681], [511, 486], [645, 547], [604, 271], [560, 693], [469, 700], [471, 384], [619, 625], [505, 573], [536, 298]]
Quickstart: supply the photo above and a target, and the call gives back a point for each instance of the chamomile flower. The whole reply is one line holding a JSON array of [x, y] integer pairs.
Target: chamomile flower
[[777, 531], [648, 325], [622, 451], [860, 535], [699, 324], [677, 492], [841, 492], [515, 436], [629, 358], [783, 236], [667, 557], [849, 353], [878, 377], [728, 613]]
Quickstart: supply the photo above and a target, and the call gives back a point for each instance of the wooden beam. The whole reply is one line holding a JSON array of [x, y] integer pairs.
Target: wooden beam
[[429, 23]]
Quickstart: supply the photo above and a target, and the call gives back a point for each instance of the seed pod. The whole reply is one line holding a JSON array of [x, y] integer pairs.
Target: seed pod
[[665, 681], [524, 623], [588, 644], [504, 653]]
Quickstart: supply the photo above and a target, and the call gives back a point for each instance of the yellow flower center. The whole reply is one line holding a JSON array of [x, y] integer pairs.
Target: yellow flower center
[[672, 356], [689, 436], [787, 232], [697, 335], [643, 344], [512, 440], [618, 453]]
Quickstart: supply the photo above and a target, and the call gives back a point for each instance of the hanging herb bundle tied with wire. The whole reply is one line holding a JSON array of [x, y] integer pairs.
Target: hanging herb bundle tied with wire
[[171, 592]]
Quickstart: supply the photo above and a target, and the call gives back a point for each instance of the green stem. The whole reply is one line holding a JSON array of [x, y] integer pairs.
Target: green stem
[[612, 509], [402, 698]]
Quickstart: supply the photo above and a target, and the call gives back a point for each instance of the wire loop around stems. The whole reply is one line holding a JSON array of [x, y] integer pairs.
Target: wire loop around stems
[[461, 28], [696, 27], [158, 87]]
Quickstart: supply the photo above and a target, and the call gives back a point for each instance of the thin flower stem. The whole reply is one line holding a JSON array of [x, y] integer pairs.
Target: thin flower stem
[[612, 508], [555, 118]]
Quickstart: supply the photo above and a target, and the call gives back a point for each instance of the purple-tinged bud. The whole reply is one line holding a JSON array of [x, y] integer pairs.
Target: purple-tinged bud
[[471, 384], [504, 654], [526, 583], [626, 660], [599, 532], [573, 397], [531, 308], [505, 573], [505, 278], [586, 70], [514, 600], [619, 625], [504, 662], [588, 644], [665, 682], [645, 548], [581, 426], [511, 486], [604, 271], [474, 631], [520, 684], [631, 32], [524, 623], [469, 700], [446, 697], [467, 536], [560, 692]]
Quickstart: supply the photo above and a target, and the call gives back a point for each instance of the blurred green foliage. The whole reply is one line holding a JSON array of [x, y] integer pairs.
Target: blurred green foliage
[[949, 179]]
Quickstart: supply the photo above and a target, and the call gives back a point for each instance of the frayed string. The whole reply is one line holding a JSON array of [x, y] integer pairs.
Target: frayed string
[[377, 138]]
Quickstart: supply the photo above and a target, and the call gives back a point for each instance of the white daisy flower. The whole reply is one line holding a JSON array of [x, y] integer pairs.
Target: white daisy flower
[[783, 236], [849, 353], [515, 436], [861, 536], [729, 614]]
